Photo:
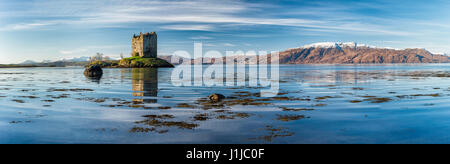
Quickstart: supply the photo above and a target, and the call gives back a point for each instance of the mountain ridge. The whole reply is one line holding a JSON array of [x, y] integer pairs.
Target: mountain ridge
[[351, 53], [348, 53]]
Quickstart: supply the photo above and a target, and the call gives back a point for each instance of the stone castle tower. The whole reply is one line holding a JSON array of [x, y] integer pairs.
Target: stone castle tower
[[145, 45]]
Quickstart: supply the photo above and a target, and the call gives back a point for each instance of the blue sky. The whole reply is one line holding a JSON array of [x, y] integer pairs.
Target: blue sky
[[54, 29]]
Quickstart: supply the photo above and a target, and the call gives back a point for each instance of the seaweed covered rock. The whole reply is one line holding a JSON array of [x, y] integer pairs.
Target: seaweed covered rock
[[216, 97], [93, 71]]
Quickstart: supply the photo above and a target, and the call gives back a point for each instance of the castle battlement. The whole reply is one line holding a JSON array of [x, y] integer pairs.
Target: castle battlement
[[145, 45]]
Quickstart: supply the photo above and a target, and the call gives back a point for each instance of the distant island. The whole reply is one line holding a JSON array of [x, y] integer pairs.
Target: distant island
[[133, 62], [144, 55]]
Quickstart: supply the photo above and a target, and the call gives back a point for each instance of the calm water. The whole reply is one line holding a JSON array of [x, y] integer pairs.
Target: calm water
[[316, 104]]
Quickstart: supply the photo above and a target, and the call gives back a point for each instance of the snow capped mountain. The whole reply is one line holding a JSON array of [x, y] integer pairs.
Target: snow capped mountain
[[336, 45], [350, 52], [75, 59], [79, 59], [28, 62]]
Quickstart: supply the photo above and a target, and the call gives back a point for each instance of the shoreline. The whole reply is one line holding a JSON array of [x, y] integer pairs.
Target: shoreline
[[30, 66], [114, 67], [318, 64]]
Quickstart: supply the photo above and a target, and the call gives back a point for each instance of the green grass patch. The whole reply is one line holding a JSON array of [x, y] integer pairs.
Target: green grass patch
[[133, 62]]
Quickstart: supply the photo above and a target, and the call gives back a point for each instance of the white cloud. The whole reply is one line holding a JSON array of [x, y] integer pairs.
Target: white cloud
[[201, 15], [24, 26], [91, 50], [201, 38], [210, 15], [189, 27], [229, 45], [69, 52], [209, 45]]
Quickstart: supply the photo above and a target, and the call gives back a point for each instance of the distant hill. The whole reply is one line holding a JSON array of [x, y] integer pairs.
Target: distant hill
[[79, 59], [350, 53], [73, 60], [28, 62], [317, 53]]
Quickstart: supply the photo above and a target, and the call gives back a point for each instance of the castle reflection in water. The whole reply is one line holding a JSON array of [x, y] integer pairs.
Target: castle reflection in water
[[145, 84]]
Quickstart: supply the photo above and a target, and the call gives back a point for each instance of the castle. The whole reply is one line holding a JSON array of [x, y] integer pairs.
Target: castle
[[145, 45]]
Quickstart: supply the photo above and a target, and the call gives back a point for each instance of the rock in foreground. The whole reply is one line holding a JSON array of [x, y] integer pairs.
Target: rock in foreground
[[216, 97], [93, 71]]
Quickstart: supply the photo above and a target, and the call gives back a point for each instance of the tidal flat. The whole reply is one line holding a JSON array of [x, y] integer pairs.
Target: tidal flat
[[389, 103]]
